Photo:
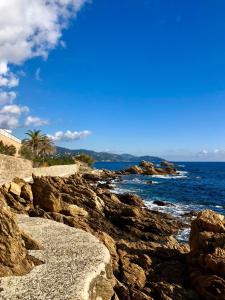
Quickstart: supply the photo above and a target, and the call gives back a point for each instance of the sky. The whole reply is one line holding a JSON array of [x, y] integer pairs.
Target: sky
[[124, 76]]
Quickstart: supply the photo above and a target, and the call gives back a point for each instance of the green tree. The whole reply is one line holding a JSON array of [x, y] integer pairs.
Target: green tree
[[39, 144], [85, 158]]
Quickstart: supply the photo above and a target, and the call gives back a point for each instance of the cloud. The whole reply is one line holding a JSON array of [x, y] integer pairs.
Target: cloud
[[7, 97], [212, 155], [69, 135], [10, 115], [28, 28], [14, 109], [35, 121]]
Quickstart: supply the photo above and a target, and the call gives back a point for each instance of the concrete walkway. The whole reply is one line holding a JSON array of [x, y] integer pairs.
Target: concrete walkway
[[75, 265]]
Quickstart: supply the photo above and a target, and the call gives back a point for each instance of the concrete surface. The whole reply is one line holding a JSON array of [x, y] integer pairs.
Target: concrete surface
[[74, 262]]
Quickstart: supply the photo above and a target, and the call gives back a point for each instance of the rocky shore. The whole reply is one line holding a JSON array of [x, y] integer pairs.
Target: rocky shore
[[147, 261]]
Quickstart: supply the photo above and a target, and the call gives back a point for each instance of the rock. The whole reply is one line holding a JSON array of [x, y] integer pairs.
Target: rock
[[206, 220], [74, 210], [167, 164], [165, 291], [133, 275], [15, 189], [30, 243], [207, 256], [162, 203], [146, 164], [149, 182], [134, 170], [46, 195], [26, 192], [131, 199], [14, 259]]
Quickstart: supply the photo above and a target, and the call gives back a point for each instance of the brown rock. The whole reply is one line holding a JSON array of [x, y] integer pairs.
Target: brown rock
[[74, 210], [14, 258], [46, 195], [133, 275], [146, 164], [15, 189], [26, 192], [131, 199]]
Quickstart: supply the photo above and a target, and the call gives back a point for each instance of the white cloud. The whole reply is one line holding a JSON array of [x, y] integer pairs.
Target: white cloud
[[7, 97], [10, 115], [28, 28], [35, 121], [69, 135], [14, 109], [9, 80]]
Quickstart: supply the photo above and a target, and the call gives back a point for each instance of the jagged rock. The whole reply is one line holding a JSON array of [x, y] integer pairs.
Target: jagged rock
[[46, 195], [131, 199], [206, 221], [15, 189], [167, 164], [14, 259], [74, 210], [134, 170], [162, 203], [166, 291], [146, 164], [207, 256], [132, 274], [26, 192]]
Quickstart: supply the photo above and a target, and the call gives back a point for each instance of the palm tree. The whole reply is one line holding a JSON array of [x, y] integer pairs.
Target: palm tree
[[47, 147], [34, 140]]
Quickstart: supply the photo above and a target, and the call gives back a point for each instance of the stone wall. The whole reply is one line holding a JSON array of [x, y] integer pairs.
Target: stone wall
[[9, 139], [62, 170], [11, 167]]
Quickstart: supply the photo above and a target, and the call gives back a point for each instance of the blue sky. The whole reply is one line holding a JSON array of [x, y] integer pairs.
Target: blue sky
[[145, 77]]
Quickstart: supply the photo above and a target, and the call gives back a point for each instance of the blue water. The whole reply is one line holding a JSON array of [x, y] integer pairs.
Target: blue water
[[197, 187]]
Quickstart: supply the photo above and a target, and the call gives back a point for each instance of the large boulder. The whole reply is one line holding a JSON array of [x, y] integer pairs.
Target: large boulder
[[46, 196], [14, 259], [207, 256]]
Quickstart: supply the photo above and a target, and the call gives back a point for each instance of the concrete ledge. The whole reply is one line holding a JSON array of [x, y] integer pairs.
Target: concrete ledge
[[61, 170], [76, 264]]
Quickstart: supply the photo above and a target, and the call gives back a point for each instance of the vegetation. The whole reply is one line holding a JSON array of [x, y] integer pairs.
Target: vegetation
[[85, 158], [7, 149], [42, 151], [37, 146], [54, 160]]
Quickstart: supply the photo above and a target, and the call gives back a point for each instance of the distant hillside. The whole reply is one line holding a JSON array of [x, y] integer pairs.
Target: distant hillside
[[111, 157]]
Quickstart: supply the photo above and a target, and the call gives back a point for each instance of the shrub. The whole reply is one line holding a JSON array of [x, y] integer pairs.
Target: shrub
[[7, 149], [54, 160], [85, 158]]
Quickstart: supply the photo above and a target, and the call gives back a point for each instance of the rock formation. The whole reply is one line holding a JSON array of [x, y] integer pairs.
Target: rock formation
[[148, 262], [207, 256], [148, 168], [14, 258]]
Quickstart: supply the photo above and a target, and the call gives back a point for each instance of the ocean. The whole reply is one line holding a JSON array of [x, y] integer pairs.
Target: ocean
[[198, 186]]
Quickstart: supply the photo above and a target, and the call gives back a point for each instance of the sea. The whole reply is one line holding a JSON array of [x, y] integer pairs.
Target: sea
[[198, 186]]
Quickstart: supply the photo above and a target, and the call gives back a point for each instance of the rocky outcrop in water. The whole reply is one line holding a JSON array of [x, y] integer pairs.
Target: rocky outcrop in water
[[148, 168]]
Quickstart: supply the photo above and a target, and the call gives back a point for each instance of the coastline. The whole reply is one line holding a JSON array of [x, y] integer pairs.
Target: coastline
[[142, 242]]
